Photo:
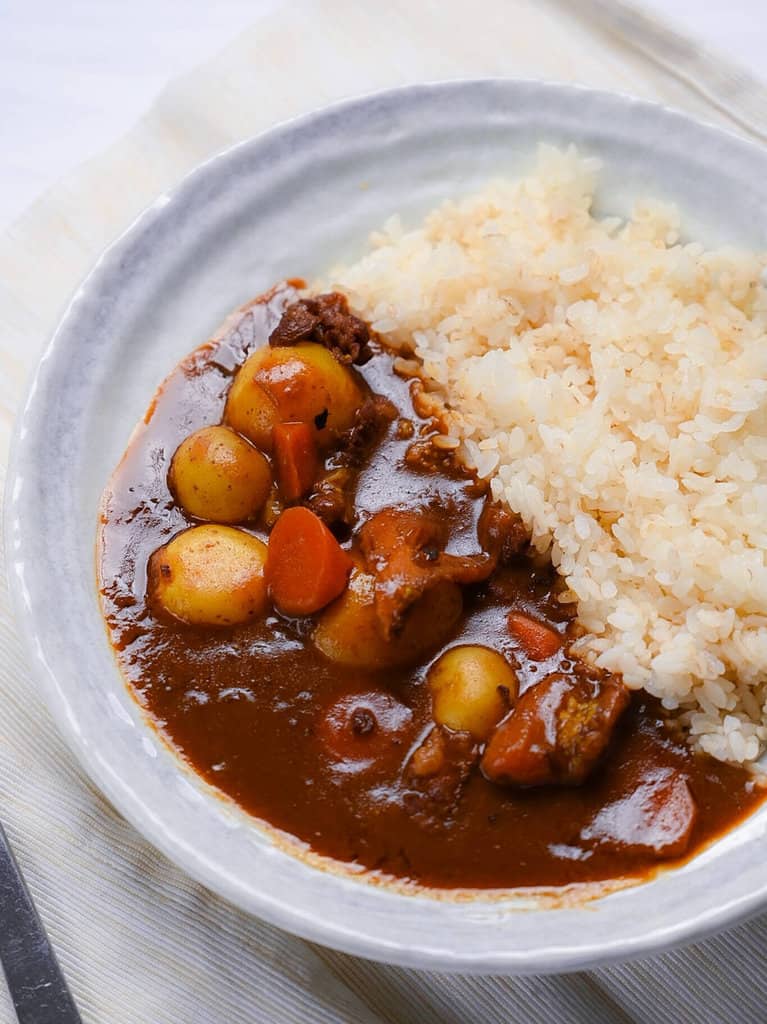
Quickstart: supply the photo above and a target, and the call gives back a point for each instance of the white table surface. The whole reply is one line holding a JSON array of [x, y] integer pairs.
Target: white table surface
[[75, 75]]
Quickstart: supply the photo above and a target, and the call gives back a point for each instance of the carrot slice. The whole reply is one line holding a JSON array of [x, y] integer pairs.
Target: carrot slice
[[296, 457], [538, 640], [305, 567]]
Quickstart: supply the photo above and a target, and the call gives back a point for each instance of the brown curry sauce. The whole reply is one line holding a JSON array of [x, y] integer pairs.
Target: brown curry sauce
[[259, 712]]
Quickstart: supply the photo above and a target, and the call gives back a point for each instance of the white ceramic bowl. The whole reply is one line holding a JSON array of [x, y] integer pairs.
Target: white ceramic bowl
[[288, 204]]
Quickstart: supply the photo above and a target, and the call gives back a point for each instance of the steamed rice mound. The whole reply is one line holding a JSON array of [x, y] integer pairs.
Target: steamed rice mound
[[611, 381]]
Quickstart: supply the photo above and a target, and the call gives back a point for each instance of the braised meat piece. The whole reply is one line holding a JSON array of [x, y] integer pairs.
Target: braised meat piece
[[326, 320], [333, 496], [501, 532], [370, 424], [557, 731], [424, 456], [404, 548], [436, 775]]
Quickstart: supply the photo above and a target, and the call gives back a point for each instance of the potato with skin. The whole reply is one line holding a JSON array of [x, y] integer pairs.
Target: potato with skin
[[210, 576], [301, 383], [472, 689], [349, 633], [217, 475]]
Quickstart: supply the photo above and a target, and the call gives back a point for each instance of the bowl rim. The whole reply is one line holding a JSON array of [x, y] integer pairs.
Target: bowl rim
[[277, 909]]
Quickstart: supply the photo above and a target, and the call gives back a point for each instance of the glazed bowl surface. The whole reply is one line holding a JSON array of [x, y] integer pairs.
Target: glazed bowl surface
[[291, 203]]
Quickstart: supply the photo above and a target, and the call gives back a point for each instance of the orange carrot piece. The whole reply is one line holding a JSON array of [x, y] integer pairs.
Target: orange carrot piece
[[538, 641], [296, 457], [306, 568]]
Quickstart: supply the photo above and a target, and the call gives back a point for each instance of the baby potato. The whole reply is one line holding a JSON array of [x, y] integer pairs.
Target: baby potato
[[250, 409], [349, 633], [472, 687], [297, 383], [210, 576], [218, 475]]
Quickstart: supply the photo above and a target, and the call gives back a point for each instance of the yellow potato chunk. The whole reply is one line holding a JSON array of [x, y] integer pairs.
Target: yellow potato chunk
[[349, 633], [472, 689], [298, 383], [218, 475], [210, 576]]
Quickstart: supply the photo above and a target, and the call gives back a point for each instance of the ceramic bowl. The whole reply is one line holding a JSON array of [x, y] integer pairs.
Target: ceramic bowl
[[290, 203]]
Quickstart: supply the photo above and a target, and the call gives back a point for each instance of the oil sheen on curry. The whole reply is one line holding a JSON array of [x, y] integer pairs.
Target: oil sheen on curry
[[335, 625]]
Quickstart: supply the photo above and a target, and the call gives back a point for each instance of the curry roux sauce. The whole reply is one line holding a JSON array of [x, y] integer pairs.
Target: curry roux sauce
[[246, 706]]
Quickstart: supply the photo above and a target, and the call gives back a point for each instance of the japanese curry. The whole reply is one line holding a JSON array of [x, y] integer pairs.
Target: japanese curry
[[333, 623]]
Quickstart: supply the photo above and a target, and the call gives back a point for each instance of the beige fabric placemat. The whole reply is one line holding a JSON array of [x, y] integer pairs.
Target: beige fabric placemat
[[140, 942]]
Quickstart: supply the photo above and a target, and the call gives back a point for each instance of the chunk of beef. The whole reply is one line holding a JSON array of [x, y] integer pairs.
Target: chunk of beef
[[333, 496], [371, 422], [556, 732], [326, 320], [425, 457], [403, 549], [436, 775], [501, 531], [658, 817]]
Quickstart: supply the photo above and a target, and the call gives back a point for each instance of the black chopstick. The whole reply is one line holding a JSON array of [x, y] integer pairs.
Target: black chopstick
[[35, 982]]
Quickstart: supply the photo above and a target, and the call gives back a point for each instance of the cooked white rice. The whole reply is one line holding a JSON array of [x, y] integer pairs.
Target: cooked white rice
[[612, 381]]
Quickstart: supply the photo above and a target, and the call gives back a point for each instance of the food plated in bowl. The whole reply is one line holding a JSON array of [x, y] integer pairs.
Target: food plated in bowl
[[509, 662]]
